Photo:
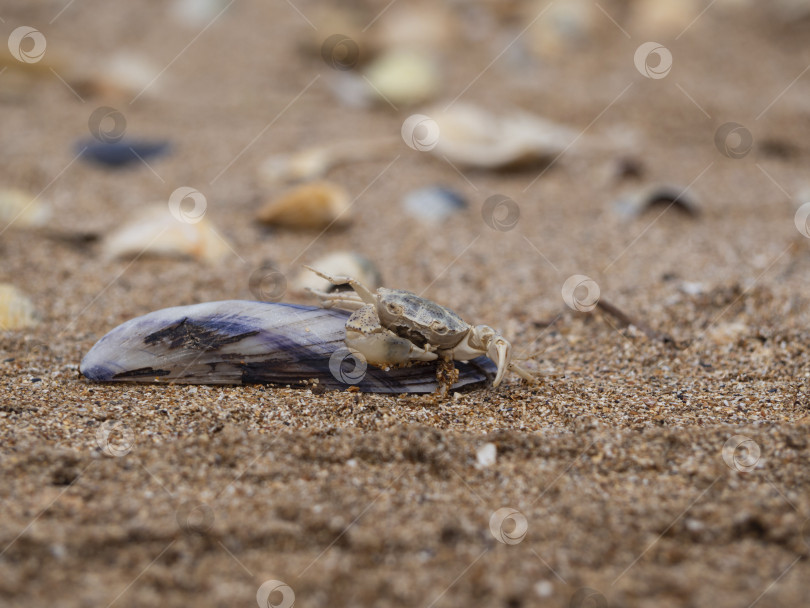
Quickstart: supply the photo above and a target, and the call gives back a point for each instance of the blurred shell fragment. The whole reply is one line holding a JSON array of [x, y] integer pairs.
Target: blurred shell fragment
[[473, 137], [432, 205], [21, 210], [314, 206], [415, 25], [404, 76], [339, 263], [16, 309], [314, 162], [663, 17], [121, 75], [155, 231], [643, 199], [563, 26]]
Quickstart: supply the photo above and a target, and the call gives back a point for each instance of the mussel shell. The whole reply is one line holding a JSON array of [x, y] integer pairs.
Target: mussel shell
[[244, 342], [121, 153]]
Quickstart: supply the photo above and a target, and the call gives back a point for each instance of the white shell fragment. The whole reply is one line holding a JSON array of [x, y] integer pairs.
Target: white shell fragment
[[239, 342], [122, 74], [425, 25], [155, 231], [21, 210], [660, 196], [314, 206], [16, 309], [473, 137], [434, 204], [339, 263]]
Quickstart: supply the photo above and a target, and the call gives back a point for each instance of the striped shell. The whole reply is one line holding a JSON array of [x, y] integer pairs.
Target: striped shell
[[243, 342]]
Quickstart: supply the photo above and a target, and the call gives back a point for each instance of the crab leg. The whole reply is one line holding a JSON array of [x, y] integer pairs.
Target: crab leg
[[344, 300], [362, 291]]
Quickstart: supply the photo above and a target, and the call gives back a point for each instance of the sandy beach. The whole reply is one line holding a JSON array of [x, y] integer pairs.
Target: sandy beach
[[661, 463]]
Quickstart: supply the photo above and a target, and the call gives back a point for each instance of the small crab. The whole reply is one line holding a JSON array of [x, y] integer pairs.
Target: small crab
[[394, 327]]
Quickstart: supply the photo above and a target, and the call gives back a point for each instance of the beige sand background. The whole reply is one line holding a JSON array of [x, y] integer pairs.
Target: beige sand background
[[616, 461]]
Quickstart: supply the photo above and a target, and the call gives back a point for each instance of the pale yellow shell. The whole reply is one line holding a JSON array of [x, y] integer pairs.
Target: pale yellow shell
[[20, 209], [404, 76], [16, 309]]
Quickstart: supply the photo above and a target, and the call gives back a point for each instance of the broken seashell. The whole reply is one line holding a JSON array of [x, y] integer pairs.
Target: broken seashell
[[196, 13], [21, 209], [641, 200], [473, 137], [123, 75], [562, 27], [434, 204], [16, 309], [239, 342], [663, 17], [155, 231], [404, 76], [414, 25], [315, 162], [315, 206], [340, 263]]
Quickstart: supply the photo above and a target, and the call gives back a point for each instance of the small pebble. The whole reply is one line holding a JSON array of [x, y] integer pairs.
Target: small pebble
[[314, 206], [485, 456], [543, 588], [434, 204]]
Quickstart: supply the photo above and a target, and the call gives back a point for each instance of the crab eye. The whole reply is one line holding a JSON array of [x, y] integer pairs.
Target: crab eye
[[393, 308]]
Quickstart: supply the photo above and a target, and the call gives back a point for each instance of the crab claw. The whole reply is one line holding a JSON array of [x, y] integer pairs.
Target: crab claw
[[500, 351]]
